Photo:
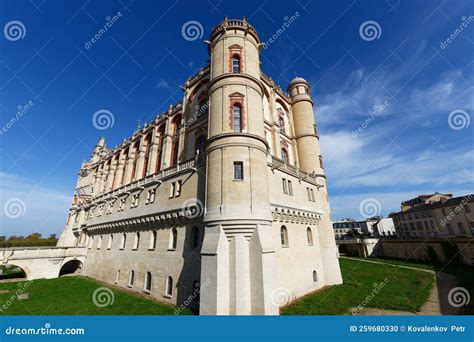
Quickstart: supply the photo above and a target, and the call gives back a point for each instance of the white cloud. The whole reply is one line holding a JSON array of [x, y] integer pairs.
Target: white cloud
[[45, 210], [162, 83]]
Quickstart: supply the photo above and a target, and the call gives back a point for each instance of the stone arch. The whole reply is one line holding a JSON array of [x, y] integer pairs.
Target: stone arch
[[12, 271], [73, 266]]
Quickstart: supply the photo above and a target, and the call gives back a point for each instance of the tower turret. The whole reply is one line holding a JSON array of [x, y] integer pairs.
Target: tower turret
[[310, 159], [237, 241], [309, 154]]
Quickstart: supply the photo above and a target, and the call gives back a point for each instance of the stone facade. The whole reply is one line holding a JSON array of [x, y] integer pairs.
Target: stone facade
[[435, 216], [219, 203]]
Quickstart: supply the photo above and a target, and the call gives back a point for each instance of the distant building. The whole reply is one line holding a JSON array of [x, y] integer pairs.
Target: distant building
[[436, 215], [344, 226], [376, 226]]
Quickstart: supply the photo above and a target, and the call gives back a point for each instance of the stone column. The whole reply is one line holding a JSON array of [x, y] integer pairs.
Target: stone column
[[110, 175], [128, 168], [118, 172], [141, 159], [154, 149]]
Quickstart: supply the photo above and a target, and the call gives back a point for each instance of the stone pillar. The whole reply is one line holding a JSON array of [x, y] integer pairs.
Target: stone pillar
[[111, 174], [119, 172], [154, 150], [128, 168], [141, 159]]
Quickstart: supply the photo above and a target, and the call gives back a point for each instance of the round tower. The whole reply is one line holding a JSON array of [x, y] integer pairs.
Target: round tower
[[311, 161], [309, 154], [236, 255]]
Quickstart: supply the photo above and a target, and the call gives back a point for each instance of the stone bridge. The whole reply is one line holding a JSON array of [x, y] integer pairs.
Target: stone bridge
[[44, 262]]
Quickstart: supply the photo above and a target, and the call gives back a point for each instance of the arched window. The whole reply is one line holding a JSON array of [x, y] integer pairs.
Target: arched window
[[148, 281], [315, 277], [236, 63], [99, 244], [169, 286], [117, 277], [111, 239], [281, 121], [136, 242], [237, 111], [195, 237], [124, 240], [152, 240], [173, 239], [309, 235], [284, 155], [175, 147], [284, 236], [131, 280], [200, 145]]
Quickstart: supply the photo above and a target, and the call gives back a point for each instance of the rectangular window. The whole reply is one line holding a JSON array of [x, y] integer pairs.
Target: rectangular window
[[312, 195], [308, 193], [238, 171], [466, 209], [285, 186], [122, 204], [450, 228], [443, 211], [461, 228], [172, 189], [135, 200], [290, 188], [178, 188]]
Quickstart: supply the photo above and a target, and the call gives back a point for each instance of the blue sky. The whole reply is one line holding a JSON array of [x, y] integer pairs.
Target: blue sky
[[398, 86]]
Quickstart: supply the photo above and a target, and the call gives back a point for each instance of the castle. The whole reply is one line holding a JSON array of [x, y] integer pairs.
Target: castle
[[221, 202]]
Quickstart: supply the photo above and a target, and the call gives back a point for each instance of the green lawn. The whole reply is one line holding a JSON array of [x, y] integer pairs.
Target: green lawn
[[73, 296], [398, 289], [400, 263]]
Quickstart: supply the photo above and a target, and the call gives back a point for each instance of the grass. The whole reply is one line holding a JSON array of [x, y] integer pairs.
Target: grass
[[398, 262], [73, 296], [404, 289]]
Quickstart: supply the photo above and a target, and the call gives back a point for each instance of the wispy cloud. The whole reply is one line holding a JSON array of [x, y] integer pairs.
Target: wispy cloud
[[44, 210]]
